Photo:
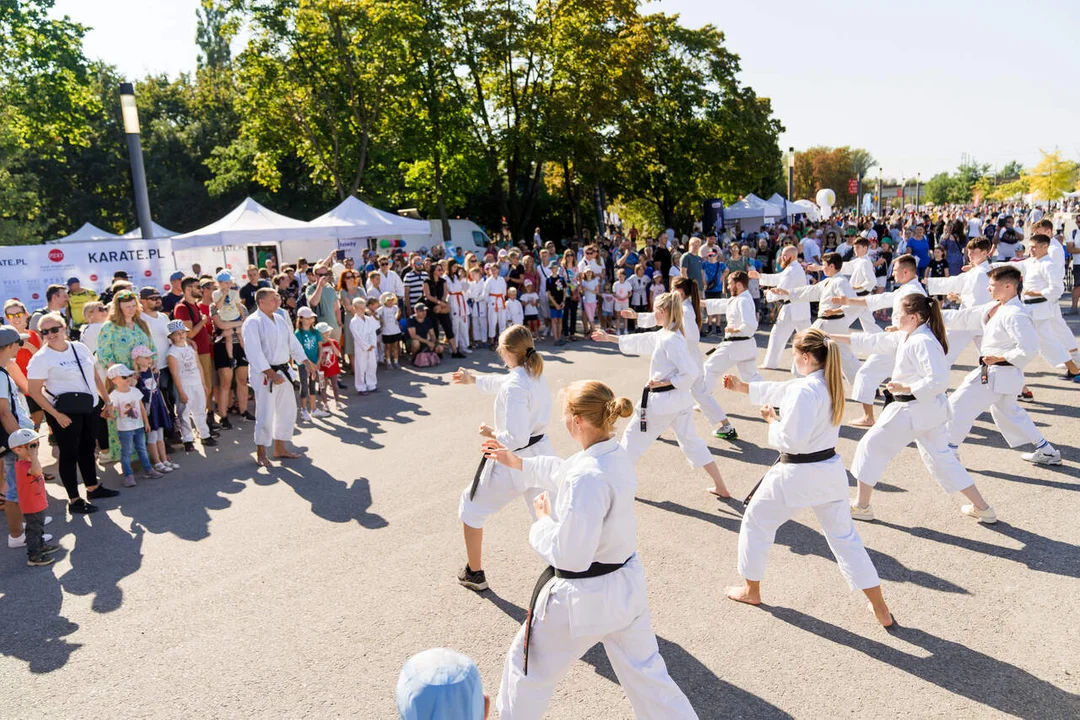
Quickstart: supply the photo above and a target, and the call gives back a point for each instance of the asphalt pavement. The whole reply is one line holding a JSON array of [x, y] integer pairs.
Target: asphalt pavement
[[225, 590]]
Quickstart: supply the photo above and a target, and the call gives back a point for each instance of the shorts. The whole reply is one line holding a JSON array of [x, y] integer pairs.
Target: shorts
[[1076, 283], [221, 360], [555, 314], [621, 305], [308, 384], [391, 339]]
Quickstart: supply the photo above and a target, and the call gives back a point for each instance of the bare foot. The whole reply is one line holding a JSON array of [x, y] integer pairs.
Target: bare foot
[[863, 422], [286, 455], [741, 593], [718, 492], [883, 616], [262, 461]]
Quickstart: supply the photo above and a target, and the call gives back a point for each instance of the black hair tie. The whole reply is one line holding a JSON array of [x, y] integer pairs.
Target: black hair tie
[[529, 353]]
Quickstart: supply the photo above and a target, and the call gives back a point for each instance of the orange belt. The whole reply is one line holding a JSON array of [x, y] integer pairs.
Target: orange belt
[[460, 302], [498, 302]]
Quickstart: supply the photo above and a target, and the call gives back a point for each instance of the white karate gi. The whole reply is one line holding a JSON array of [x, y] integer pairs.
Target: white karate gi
[[973, 287], [193, 412], [875, 369], [515, 312], [740, 354], [365, 334], [864, 282], [671, 362], [920, 364], [1045, 276], [495, 290], [1010, 334], [592, 520], [820, 293], [792, 318], [269, 340], [522, 410], [479, 310], [805, 426], [457, 297]]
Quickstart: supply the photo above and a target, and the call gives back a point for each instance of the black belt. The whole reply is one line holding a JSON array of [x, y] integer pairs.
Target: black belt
[[727, 339], [831, 317], [284, 370], [984, 369], [903, 398], [793, 459], [1034, 301], [597, 569], [645, 400], [862, 293], [480, 468]]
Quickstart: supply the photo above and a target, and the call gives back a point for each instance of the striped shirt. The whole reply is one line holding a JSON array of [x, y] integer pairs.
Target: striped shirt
[[414, 285]]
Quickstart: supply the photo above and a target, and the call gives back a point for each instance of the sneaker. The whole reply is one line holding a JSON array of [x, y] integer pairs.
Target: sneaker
[[153, 474], [211, 422], [225, 424], [1044, 456], [39, 560], [728, 432], [247, 416], [209, 442], [81, 507], [20, 541], [397, 366], [49, 549], [1026, 396], [129, 481], [162, 468], [101, 492], [474, 580], [458, 354], [861, 513], [189, 446], [987, 516], [320, 413], [171, 464], [305, 416], [1070, 377], [215, 433]]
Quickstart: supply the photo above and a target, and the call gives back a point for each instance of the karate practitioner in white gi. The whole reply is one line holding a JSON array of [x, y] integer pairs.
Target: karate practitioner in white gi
[[808, 473], [863, 278], [365, 333], [457, 288], [875, 369], [920, 411], [738, 349], [270, 344], [495, 289], [792, 318], [666, 399], [478, 309], [830, 319], [522, 412], [1009, 343], [594, 589], [971, 288]]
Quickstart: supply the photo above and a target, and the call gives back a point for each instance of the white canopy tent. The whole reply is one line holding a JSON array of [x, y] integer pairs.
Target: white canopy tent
[[354, 218], [85, 233], [807, 207], [748, 210], [156, 232], [250, 224]]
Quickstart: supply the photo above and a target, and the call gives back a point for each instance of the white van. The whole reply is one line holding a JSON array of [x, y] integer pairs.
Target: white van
[[463, 233]]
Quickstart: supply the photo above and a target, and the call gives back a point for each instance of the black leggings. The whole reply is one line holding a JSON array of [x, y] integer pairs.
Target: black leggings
[[446, 322], [569, 317], [78, 448]]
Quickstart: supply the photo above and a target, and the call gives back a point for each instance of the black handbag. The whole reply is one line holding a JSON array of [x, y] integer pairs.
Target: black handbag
[[76, 403]]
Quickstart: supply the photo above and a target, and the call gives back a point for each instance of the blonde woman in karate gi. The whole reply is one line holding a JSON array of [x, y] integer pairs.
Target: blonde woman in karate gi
[[594, 588], [522, 411], [666, 400], [920, 410], [808, 472]]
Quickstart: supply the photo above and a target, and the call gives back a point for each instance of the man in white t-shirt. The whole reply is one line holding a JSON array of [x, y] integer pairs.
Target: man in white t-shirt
[[974, 226], [1073, 246]]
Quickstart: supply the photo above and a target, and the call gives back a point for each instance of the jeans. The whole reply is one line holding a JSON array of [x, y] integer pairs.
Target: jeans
[[138, 439], [77, 444], [35, 532]]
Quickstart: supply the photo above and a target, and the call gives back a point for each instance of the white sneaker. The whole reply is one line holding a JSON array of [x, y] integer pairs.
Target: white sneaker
[[305, 415], [1044, 457], [48, 519], [20, 541], [861, 513], [320, 413], [171, 464], [987, 516], [163, 468]]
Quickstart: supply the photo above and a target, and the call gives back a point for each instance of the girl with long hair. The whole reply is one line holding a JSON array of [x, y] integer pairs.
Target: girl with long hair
[[919, 411], [808, 473]]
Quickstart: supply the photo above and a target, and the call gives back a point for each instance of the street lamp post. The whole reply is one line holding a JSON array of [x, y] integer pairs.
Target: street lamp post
[[879, 191], [791, 174], [138, 172], [918, 190]]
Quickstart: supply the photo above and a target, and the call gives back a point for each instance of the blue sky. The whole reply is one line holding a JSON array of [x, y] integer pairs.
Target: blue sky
[[917, 83]]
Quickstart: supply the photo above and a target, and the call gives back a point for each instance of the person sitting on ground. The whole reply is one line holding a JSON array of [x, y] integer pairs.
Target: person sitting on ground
[[421, 329]]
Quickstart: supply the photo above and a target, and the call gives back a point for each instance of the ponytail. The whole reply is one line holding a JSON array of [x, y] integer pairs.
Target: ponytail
[[928, 311], [826, 353], [937, 324], [689, 289], [518, 341]]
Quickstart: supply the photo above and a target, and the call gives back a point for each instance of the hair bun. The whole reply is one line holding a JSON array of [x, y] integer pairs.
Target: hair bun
[[621, 407]]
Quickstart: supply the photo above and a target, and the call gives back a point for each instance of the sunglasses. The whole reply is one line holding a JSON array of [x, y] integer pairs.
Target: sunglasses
[[32, 446], [16, 314], [46, 332]]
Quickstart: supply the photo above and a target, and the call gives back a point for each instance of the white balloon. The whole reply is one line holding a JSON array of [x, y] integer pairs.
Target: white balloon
[[825, 199]]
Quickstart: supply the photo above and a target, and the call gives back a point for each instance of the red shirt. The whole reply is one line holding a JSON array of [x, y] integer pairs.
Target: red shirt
[[193, 314], [32, 345], [328, 361], [32, 497]]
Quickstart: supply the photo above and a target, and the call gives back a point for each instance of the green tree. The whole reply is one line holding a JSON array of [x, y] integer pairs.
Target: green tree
[[1051, 177]]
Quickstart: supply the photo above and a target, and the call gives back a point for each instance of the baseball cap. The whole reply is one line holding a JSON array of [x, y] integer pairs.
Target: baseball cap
[[149, 292], [72, 280], [120, 275], [176, 326], [224, 276], [305, 312], [22, 436], [323, 328], [176, 276], [10, 336], [141, 351], [118, 370], [420, 306]]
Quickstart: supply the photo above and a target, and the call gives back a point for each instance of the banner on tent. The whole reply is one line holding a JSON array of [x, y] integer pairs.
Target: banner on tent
[[29, 269], [234, 258]]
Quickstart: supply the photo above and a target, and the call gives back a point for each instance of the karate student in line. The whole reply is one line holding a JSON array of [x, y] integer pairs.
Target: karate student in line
[[495, 292], [920, 411], [792, 318], [863, 279], [478, 309], [1008, 344], [270, 344], [522, 412], [594, 588], [457, 288], [971, 288], [808, 473], [738, 349], [830, 319], [875, 369], [365, 333], [666, 400]]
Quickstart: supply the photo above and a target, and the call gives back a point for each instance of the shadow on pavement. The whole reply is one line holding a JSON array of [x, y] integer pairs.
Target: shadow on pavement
[[34, 629], [331, 499], [952, 667], [1029, 480]]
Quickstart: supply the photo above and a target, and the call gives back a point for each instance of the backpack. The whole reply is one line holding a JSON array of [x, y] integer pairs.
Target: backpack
[[426, 358], [1010, 237]]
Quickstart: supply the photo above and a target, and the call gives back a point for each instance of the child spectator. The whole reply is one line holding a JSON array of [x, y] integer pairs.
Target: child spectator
[[389, 317], [329, 360], [132, 424], [96, 315], [229, 313], [656, 289], [607, 310], [309, 384], [33, 501], [530, 302], [514, 308], [621, 289], [149, 384], [187, 375], [590, 286], [365, 333]]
